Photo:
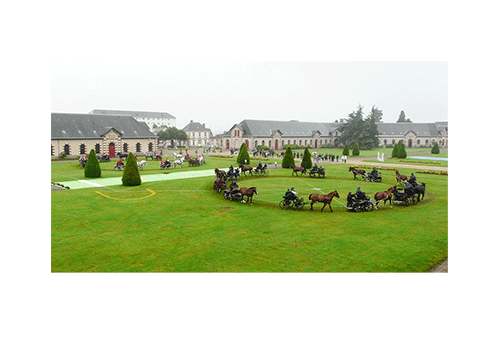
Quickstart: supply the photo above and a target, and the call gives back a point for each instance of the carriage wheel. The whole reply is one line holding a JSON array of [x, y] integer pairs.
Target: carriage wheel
[[282, 204], [266, 172], [358, 208], [300, 206], [369, 207]]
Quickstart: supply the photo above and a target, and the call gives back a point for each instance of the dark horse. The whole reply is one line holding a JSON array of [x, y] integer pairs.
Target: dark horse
[[357, 172], [244, 169], [419, 190], [385, 196], [325, 199], [400, 177], [220, 173], [219, 184], [248, 192], [296, 170]]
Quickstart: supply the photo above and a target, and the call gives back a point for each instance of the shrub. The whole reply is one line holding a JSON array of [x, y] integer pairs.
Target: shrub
[[345, 152], [288, 160], [355, 150], [402, 151], [395, 151], [306, 159], [243, 155], [92, 168], [435, 149], [131, 176]]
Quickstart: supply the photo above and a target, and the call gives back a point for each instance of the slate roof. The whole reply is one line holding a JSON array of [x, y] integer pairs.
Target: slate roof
[[195, 127], [264, 128], [399, 129], [149, 114], [87, 126]]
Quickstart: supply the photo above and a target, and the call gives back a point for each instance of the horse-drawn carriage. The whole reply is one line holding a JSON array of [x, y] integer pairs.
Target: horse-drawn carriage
[[240, 193], [261, 170], [374, 177], [103, 158], [404, 195], [194, 162], [320, 171], [355, 203], [165, 165], [233, 174], [291, 200]]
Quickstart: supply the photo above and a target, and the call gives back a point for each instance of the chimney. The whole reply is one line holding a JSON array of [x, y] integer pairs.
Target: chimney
[[191, 120], [203, 125]]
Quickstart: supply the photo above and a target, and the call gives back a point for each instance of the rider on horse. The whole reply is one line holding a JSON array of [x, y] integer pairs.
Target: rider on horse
[[259, 167], [374, 173]]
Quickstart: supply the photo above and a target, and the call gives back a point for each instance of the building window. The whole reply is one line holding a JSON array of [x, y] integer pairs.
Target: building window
[[97, 148], [393, 141], [82, 149], [125, 147], [51, 150], [67, 149], [150, 147], [138, 147]]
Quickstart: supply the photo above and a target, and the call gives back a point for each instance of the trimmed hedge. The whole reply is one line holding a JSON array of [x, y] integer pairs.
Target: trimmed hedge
[[131, 176], [435, 149], [92, 168], [345, 152], [288, 160], [355, 150], [306, 159], [243, 155]]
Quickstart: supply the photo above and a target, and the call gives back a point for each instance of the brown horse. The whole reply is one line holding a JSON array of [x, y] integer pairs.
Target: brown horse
[[244, 169], [220, 173], [219, 184], [248, 192], [296, 170], [400, 177], [387, 195], [325, 199], [357, 172]]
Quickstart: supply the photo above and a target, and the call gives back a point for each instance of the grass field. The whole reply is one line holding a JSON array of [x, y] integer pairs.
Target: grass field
[[185, 226]]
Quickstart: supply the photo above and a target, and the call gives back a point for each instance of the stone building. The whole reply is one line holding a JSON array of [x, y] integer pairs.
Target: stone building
[[278, 134], [150, 118], [77, 134], [413, 134], [198, 134]]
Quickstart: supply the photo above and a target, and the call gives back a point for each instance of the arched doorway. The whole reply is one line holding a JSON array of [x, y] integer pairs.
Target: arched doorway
[[316, 143], [276, 144], [409, 142], [227, 144], [247, 143], [111, 149]]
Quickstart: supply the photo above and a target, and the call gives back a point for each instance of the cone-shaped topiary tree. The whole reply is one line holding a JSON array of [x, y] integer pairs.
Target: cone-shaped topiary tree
[[306, 159], [243, 155], [288, 160], [395, 150], [435, 149], [402, 151], [92, 168], [131, 176], [355, 150], [345, 152]]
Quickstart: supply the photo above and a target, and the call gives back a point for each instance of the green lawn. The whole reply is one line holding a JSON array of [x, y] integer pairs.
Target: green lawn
[[187, 227]]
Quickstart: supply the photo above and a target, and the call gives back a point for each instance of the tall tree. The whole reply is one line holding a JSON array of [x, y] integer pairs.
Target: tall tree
[[402, 117], [358, 129], [306, 159], [172, 133]]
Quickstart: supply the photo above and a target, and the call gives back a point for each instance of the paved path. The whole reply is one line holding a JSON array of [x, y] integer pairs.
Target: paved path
[[115, 181]]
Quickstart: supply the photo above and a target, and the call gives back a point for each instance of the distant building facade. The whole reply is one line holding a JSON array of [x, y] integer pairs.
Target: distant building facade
[[150, 118], [77, 134], [198, 134], [278, 134]]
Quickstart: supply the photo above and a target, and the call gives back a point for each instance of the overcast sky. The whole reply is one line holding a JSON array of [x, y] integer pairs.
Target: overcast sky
[[221, 94]]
